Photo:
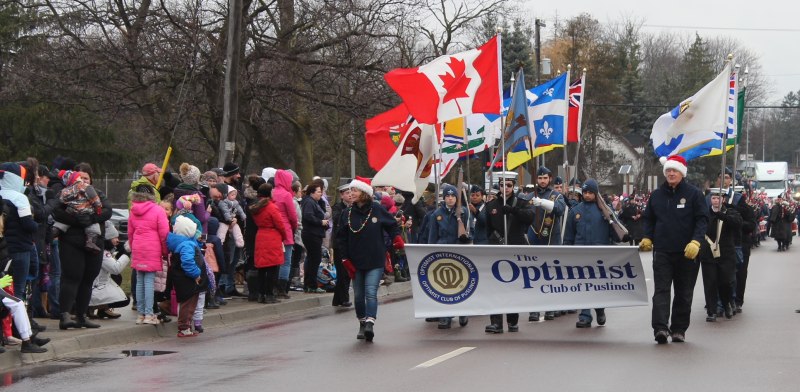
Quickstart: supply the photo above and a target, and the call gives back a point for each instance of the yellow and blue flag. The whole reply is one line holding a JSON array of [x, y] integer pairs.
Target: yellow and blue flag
[[517, 127]]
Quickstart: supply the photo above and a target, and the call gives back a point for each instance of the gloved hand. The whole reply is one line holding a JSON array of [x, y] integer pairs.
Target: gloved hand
[[6, 281], [646, 245], [626, 238], [351, 269], [464, 239], [536, 201], [691, 250], [509, 210], [398, 243]]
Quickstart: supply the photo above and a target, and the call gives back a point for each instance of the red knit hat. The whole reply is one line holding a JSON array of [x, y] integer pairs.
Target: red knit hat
[[674, 162]]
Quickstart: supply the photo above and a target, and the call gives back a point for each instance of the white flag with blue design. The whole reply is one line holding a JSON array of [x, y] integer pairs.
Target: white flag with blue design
[[687, 129]]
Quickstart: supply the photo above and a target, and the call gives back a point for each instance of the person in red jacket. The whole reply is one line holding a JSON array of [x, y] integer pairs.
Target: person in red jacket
[[271, 236]]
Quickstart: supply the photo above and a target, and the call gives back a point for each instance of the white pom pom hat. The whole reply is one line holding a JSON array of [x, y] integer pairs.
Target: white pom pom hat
[[674, 162]]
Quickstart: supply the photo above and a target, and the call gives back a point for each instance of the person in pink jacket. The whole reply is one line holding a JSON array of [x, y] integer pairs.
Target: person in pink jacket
[[283, 197], [147, 235]]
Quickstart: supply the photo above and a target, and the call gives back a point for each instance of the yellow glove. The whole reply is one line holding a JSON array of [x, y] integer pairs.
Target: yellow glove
[[646, 245], [6, 281], [691, 250]]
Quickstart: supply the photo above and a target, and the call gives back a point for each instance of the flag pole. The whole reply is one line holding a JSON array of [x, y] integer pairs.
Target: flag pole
[[738, 128], [580, 123], [735, 124], [566, 124], [438, 166], [724, 144]]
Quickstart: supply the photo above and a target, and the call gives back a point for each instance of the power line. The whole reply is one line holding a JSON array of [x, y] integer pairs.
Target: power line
[[782, 30], [603, 105]]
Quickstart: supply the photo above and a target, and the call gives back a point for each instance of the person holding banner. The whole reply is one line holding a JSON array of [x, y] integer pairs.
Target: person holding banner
[[360, 237], [548, 207], [675, 221], [444, 230], [477, 209], [586, 225], [507, 222]]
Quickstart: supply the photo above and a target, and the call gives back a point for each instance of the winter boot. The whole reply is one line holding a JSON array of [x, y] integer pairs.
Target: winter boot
[[31, 347], [90, 244], [369, 333], [66, 322], [211, 302], [252, 284], [281, 290], [361, 328], [82, 322], [398, 275]]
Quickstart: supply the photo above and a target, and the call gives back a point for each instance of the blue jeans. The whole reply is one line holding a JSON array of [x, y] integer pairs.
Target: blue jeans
[[586, 314], [365, 288], [55, 279], [35, 302], [20, 265], [145, 287], [286, 267]]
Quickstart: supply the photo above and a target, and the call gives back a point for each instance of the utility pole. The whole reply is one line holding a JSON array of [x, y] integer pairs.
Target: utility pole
[[230, 115]]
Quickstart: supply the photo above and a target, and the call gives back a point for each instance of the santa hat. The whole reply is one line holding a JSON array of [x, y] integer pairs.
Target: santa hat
[[362, 186], [364, 180], [674, 162]]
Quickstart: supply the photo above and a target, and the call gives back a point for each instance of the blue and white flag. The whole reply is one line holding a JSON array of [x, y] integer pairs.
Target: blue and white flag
[[694, 127], [547, 111]]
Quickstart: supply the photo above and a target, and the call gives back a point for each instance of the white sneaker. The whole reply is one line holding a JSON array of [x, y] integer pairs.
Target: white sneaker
[[12, 341], [150, 319], [139, 319]]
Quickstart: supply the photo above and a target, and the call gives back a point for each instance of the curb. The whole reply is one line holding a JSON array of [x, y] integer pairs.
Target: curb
[[63, 346]]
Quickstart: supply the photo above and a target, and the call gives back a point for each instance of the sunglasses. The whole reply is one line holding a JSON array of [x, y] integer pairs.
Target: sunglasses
[[507, 184]]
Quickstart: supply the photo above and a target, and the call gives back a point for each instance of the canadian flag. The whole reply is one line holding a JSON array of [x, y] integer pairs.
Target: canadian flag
[[412, 162], [451, 86]]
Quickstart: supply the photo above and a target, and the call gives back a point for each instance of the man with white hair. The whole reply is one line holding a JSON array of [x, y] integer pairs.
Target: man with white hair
[[675, 222]]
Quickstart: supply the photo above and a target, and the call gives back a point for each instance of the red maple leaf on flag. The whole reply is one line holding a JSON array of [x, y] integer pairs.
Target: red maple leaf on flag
[[457, 83]]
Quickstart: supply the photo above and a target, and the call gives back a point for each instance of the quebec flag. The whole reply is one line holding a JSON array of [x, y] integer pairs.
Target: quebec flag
[[694, 127], [548, 105]]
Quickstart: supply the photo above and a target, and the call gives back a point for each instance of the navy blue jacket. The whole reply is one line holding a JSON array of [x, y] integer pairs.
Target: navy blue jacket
[[444, 226], [479, 234], [362, 242], [587, 226], [313, 215], [674, 217]]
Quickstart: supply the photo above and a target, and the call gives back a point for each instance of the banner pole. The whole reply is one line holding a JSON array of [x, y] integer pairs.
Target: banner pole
[[725, 131]]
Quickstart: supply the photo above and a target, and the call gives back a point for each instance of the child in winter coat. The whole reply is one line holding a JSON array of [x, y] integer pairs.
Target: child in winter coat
[[80, 199], [187, 271], [147, 234], [184, 207], [234, 215]]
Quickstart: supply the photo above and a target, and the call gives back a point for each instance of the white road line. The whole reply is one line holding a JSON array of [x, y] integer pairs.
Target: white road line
[[444, 357]]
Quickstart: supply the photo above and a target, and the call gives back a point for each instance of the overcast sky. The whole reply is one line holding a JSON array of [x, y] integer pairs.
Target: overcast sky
[[768, 28]]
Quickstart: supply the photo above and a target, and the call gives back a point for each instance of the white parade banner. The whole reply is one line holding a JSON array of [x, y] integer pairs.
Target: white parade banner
[[467, 280]]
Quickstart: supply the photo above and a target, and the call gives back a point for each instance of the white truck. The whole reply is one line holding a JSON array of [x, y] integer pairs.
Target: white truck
[[773, 177]]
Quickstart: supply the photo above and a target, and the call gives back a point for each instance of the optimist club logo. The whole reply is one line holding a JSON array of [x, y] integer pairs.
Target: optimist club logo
[[447, 278]]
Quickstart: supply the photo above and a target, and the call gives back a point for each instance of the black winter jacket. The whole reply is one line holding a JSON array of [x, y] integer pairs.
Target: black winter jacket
[[675, 216]]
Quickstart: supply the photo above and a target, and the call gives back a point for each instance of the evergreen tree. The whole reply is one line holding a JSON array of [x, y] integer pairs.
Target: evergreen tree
[[631, 89], [517, 46]]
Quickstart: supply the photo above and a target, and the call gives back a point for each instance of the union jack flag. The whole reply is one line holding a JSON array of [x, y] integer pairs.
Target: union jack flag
[[575, 109]]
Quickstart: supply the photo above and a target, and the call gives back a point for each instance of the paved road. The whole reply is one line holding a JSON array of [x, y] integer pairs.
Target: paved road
[[317, 350]]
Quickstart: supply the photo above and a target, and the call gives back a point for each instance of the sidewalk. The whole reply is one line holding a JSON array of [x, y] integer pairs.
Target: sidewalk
[[124, 330]]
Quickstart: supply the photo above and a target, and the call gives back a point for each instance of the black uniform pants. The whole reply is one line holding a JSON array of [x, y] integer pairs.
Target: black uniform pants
[[673, 269], [718, 275], [341, 293], [741, 276]]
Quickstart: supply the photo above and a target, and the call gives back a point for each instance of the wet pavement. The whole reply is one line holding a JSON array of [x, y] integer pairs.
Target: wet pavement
[[316, 349]]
